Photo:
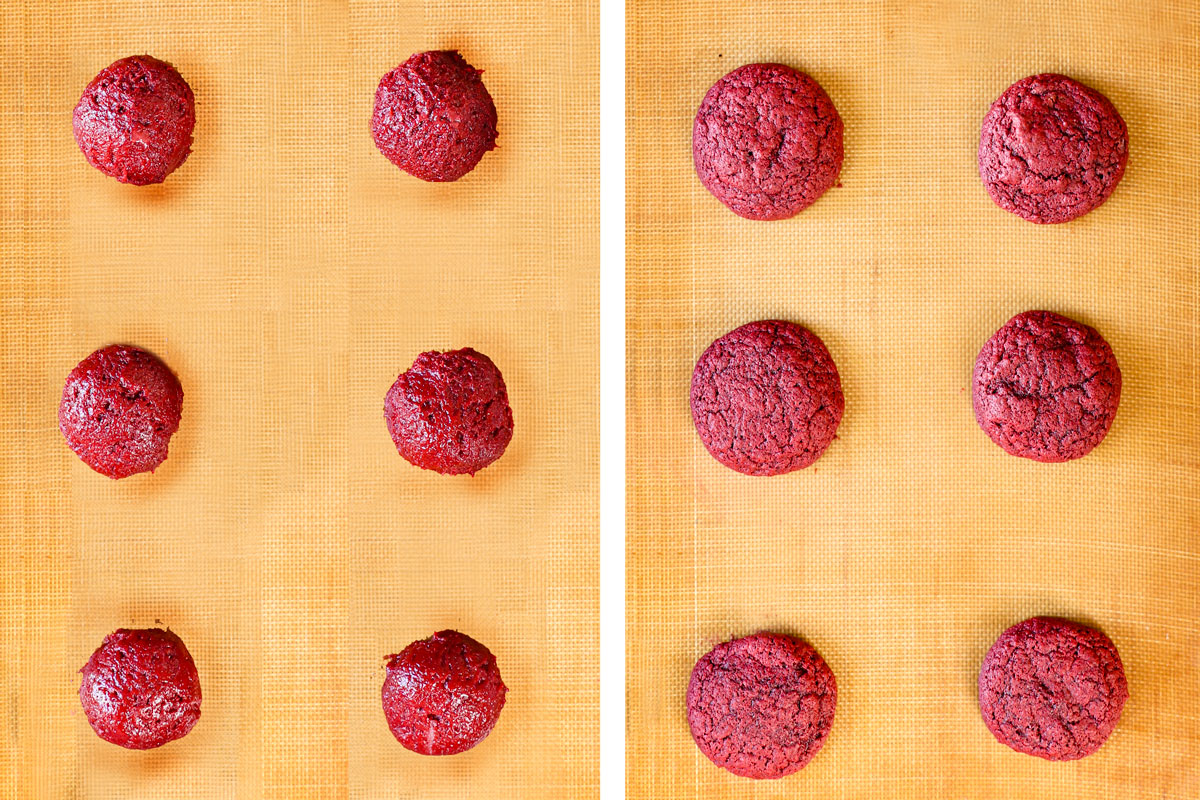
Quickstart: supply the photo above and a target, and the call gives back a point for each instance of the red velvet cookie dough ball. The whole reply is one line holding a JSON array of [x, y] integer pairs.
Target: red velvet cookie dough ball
[[1046, 387], [119, 408], [1052, 689], [140, 689], [449, 412], [433, 117], [1051, 149], [767, 141], [134, 121], [766, 398], [442, 695], [762, 706]]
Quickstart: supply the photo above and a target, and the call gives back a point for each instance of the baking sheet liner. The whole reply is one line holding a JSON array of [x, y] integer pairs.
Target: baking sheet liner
[[287, 273], [915, 541]]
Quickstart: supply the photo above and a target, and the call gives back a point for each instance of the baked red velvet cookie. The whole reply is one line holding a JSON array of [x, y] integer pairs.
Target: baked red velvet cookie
[[766, 398], [119, 408], [140, 689], [762, 706], [1051, 149], [442, 695], [1052, 688], [1046, 387], [433, 117], [449, 412], [767, 141], [134, 121]]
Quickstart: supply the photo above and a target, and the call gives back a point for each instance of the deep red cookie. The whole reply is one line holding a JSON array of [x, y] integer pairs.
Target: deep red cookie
[[442, 695], [766, 398], [134, 121], [119, 408], [140, 689], [1052, 688], [433, 117], [1051, 149], [762, 706], [449, 412], [767, 141], [1046, 387]]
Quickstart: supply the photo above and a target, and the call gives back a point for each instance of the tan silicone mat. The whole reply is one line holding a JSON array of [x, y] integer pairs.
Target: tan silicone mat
[[915, 541], [287, 273]]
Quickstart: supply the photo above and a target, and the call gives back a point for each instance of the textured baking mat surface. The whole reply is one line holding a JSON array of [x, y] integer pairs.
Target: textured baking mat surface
[[287, 273], [915, 541]]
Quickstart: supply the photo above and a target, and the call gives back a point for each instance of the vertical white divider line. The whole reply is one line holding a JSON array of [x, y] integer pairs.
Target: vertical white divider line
[[612, 399]]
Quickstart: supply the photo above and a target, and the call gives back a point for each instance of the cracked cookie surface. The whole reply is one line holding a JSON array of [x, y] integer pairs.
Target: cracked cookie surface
[[449, 412], [140, 689], [442, 695], [433, 116], [767, 141], [134, 121], [761, 706], [119, 408], [1046, 387], [1051, 149], [1052, 688], [766, 398]]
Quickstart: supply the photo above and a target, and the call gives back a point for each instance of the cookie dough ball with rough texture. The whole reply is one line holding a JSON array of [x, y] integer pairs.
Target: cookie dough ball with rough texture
[[1051, 149], [119, 408], [767, 141], [766, 398], [1052, 689], [433, 117], [449, 412], [762, 706], [134, 121], [140, 689], [442, 695], [1046, 387]]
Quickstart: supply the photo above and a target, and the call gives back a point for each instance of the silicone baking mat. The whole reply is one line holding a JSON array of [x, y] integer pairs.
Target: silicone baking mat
[[915, 541], [287, 273]]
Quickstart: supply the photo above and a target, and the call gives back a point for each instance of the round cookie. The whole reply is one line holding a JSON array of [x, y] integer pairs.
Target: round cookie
[[134, 121], [1052, 689], [433, 117], [140, 689], [442, 695], [766, 398], [449, 412], [119, 408], [762, 706], [1046, 387], [1051, 149], [767, 141]]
